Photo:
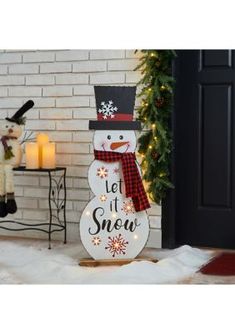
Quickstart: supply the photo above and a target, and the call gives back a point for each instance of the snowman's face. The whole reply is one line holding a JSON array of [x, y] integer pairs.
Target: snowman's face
[[120, 141], [10, 129]]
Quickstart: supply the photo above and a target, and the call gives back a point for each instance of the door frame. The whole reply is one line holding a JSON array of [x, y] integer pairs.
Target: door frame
[[168, 222]]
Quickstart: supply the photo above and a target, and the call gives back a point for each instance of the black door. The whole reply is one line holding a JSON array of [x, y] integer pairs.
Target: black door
[[205, 148]]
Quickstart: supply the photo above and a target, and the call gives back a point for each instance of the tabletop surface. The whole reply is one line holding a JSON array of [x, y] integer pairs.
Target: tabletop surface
[[41, 170]]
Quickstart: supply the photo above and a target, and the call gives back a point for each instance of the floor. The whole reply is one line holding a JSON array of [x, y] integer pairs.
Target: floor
[[36, 256]]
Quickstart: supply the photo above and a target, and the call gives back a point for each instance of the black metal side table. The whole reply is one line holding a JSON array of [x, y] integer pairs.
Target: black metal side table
[[56, 201]]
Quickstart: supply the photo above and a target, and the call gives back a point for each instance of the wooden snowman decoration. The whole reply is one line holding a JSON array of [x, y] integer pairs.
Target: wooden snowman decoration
[[10, 156], [114, 224]]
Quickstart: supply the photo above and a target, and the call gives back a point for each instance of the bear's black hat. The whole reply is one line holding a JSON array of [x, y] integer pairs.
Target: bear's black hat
[[18, 116], [115, 107]]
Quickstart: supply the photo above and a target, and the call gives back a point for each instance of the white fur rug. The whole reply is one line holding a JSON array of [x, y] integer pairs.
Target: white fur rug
[[23, 262]]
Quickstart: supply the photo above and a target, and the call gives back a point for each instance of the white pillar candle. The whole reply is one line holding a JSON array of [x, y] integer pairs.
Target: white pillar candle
[[42, 139], [31, 156], [48, 156]]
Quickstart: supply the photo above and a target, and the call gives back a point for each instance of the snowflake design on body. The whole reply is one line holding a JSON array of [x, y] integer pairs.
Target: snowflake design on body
[[116, 170], [102, 172], [107, 109], [128, 207], [103, 198], [96, 241], [117, 245]]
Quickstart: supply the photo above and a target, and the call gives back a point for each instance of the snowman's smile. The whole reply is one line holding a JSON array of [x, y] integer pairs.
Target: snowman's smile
[[116, 145]]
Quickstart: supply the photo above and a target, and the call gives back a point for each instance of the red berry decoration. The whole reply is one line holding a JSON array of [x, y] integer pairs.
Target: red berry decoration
[[158, 63], [154, 155], [159, 102]]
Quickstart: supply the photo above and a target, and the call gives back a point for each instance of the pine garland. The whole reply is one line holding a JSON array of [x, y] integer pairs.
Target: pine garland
[[155, 144]]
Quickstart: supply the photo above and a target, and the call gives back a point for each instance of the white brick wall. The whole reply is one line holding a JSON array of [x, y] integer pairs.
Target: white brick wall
[[61, 84]]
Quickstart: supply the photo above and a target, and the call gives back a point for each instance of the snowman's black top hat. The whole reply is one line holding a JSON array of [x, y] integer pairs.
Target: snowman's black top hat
[[115, 107], [18, 116]]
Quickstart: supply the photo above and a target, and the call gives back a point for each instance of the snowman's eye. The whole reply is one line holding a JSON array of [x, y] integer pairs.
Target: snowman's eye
[[108, 137], [121, 137], [6, 126], [12, 126]]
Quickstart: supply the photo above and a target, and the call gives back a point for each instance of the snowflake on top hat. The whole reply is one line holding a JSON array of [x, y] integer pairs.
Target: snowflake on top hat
[[115, 108], [107, 109]]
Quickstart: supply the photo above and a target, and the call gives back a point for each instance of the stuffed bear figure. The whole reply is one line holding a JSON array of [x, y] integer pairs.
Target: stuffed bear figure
[[10, 157]]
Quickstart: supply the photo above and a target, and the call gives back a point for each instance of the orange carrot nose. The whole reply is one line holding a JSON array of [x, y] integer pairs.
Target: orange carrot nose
[[118, 144]]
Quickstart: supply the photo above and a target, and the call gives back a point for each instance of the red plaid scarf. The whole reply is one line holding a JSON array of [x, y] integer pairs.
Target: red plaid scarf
[[133, 182]]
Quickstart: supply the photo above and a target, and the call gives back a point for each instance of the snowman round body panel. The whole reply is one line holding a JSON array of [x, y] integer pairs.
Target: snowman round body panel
[[110, 228], [16, 150]]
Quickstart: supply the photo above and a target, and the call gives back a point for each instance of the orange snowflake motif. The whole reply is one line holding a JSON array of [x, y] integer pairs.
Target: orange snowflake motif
[[102, 172], [103, 198], [96, 241], [128, 207], [117, 245]]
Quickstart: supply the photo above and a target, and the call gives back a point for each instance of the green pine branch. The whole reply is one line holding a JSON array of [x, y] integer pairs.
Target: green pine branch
[[155, 144]]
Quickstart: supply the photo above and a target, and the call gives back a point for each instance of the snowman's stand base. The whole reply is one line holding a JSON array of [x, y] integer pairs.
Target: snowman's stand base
[[112, 262]]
